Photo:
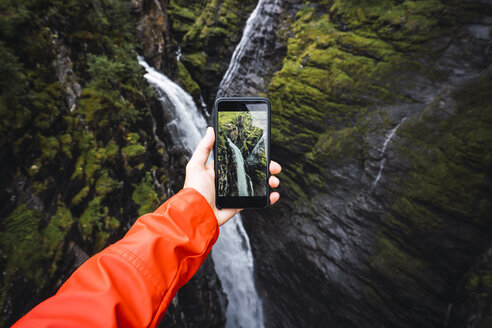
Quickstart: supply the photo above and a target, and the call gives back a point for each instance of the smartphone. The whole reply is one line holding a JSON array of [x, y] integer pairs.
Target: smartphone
[[242, 152]]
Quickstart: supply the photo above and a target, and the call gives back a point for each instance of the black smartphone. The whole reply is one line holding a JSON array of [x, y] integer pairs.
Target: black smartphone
[[242, 152]]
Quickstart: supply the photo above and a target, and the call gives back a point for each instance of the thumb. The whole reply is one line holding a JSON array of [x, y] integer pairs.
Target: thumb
[[203, 149]]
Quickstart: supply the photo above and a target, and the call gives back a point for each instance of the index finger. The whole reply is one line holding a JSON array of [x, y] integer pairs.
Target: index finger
[[275, 167]]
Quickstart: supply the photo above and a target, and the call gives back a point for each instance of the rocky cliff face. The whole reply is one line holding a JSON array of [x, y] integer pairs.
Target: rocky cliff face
[[79, 161], [84, 149], [207, 33], [386, 185]]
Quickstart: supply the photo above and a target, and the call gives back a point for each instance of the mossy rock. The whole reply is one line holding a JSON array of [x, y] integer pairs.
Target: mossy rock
[[188, 84], [133, 151], [145, 196]]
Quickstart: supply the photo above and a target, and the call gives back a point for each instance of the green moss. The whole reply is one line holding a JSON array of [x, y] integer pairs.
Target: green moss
[[81, 195], [337, 146], [342, 61], [133, 138], [95, 224], [180, 14], [207, 32], [443, 196], [47, 142], [477, 291], [392, 258], [133, 151], [92, 218], [101, 239], [106, 184], [50, 146], [95, 157], [29, 250], [66, 144], [145, 196], [197, 60], [186, 81], [112, 150], [450, 160], [55, 234], [20, 241]]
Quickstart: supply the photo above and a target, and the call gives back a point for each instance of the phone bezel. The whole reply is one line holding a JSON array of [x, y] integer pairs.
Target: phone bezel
[[250, 201]]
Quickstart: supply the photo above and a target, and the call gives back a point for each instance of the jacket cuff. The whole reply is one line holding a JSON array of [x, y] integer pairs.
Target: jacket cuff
[[198, 202]]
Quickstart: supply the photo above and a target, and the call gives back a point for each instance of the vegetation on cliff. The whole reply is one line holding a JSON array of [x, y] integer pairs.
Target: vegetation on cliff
[[348, 66], [207, 33], [446, 196], [79, 161], [76, 147], [342, 62]]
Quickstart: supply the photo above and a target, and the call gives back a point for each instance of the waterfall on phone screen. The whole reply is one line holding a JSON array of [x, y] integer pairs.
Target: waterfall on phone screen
[[242, 182]]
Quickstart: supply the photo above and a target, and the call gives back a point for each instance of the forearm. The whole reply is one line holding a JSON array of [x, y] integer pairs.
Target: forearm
[[132, 282]]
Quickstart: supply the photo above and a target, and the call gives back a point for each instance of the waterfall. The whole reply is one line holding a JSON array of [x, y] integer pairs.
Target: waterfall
[[239, 51], [251, 186], [232, 253], [383, 150], [257, 44], [255, 149], [242, 182], [234, 264], [188, 123]]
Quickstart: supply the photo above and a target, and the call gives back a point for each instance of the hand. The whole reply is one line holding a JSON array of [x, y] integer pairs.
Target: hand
[[201, 177]]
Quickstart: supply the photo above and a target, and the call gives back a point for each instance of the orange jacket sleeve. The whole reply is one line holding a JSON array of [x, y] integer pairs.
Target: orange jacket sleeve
[[132, 282]]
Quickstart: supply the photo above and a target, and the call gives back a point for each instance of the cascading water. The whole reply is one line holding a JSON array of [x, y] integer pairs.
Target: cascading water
[[383, 150], [242, 182], [232, 252], [252, 190], [258, 44], [254, 152], [239, 51], [234, 266], [187, 123]]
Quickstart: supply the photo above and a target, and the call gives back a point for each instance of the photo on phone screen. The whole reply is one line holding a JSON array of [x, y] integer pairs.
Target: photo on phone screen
[[242, 145]]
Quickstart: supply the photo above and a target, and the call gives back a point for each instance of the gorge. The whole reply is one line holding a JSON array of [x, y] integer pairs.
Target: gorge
[[381, 119]]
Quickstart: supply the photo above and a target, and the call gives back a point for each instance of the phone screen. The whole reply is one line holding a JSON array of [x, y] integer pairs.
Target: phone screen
[[242, 142]]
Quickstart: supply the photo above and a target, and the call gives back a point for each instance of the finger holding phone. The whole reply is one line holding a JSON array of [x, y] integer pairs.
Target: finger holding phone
[[238, 177]]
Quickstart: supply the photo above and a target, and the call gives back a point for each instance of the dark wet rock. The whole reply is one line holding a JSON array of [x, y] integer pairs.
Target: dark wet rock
[[153, 33], [64, 71], [260, 54], [207, 33], [344, 248]]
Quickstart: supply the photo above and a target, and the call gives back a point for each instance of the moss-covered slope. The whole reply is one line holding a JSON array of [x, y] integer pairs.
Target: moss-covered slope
[[78, 160], [381, 121], [207, 33]]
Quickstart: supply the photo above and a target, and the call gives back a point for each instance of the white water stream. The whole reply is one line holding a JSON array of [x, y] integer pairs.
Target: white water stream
[[239, 51], [383, 150], [188, 123], [245, 309], [242, 182]]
